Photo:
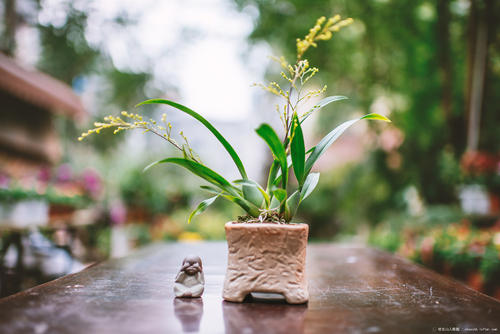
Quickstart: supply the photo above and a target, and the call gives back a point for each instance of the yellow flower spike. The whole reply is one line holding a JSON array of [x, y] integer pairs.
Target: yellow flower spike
[[285, 77], [325, 36], [333, 20], [164, 117], [342, 24]]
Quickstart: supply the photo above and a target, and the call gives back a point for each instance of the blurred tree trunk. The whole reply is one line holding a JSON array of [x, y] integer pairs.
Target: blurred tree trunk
[[444, 58], [476, 72], [8, 44]]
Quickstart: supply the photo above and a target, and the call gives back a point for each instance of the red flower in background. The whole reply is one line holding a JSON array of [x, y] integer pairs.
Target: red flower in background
[[480, 163]]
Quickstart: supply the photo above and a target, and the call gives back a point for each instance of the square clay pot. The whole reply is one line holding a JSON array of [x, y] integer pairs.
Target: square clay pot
[[268, 258]]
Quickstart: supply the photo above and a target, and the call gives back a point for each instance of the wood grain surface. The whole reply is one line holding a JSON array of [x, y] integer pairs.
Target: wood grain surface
[[352, 290]]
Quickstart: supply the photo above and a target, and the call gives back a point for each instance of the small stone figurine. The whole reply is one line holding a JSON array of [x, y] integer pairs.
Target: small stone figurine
[[190, 281]]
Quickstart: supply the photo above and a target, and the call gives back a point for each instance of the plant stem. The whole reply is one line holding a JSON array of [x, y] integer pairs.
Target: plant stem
[[288, 106], [170, 141]]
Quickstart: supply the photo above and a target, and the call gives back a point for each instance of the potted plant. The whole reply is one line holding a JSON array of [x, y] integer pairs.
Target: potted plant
[[266, 250]]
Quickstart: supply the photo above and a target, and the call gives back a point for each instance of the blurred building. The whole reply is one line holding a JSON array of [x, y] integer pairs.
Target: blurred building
[[29, 102]]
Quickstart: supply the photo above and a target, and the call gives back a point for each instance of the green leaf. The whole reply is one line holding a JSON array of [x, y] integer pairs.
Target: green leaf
[[209, 126], [291, 206], [253, 192], [273, 172], [280, 195], [275, 203], [331, 137], [277, 180], [199, 170], [251, 209], [298, 150], [322, 103], [211, 189], [309, 184], [271, 138], [376, 117], [202, 207]]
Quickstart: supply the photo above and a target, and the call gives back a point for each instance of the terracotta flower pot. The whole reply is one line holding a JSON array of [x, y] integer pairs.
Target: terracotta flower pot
[[267, 258]]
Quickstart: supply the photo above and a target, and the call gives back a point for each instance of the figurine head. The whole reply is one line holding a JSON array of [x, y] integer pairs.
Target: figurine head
[[192, 265]]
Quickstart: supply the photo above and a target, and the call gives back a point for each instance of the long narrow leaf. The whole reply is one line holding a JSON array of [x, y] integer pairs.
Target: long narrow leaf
[[277, 180], [309, 184], [202, 207], [273, 172], [298, 150], [211, 189], [291, 206], [331, 137], [210, 127], [271, 138], [322, 103], [199, 170], [251, 209]]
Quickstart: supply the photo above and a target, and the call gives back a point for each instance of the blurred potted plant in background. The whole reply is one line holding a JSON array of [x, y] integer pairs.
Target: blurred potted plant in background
[[48, 195], [266, 250], [481, 192]]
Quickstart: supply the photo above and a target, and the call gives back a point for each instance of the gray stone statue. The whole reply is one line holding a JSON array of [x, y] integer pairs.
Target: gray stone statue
[[190, 281]]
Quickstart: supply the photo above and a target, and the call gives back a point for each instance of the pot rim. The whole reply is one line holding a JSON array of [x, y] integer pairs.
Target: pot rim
[[233, 224]]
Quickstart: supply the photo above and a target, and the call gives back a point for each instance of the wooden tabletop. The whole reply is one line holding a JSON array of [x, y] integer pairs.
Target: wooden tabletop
[[352, 290]]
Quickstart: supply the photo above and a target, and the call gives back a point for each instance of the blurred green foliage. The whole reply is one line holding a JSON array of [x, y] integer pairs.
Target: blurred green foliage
[[405, 58]]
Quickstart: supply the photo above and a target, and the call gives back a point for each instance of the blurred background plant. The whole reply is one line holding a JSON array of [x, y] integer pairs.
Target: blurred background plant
[[428, 189]]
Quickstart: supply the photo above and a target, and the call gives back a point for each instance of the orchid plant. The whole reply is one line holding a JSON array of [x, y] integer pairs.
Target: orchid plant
[[279, 199]]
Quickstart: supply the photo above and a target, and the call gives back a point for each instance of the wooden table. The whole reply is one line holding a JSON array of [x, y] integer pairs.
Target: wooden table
[[353, 290]]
